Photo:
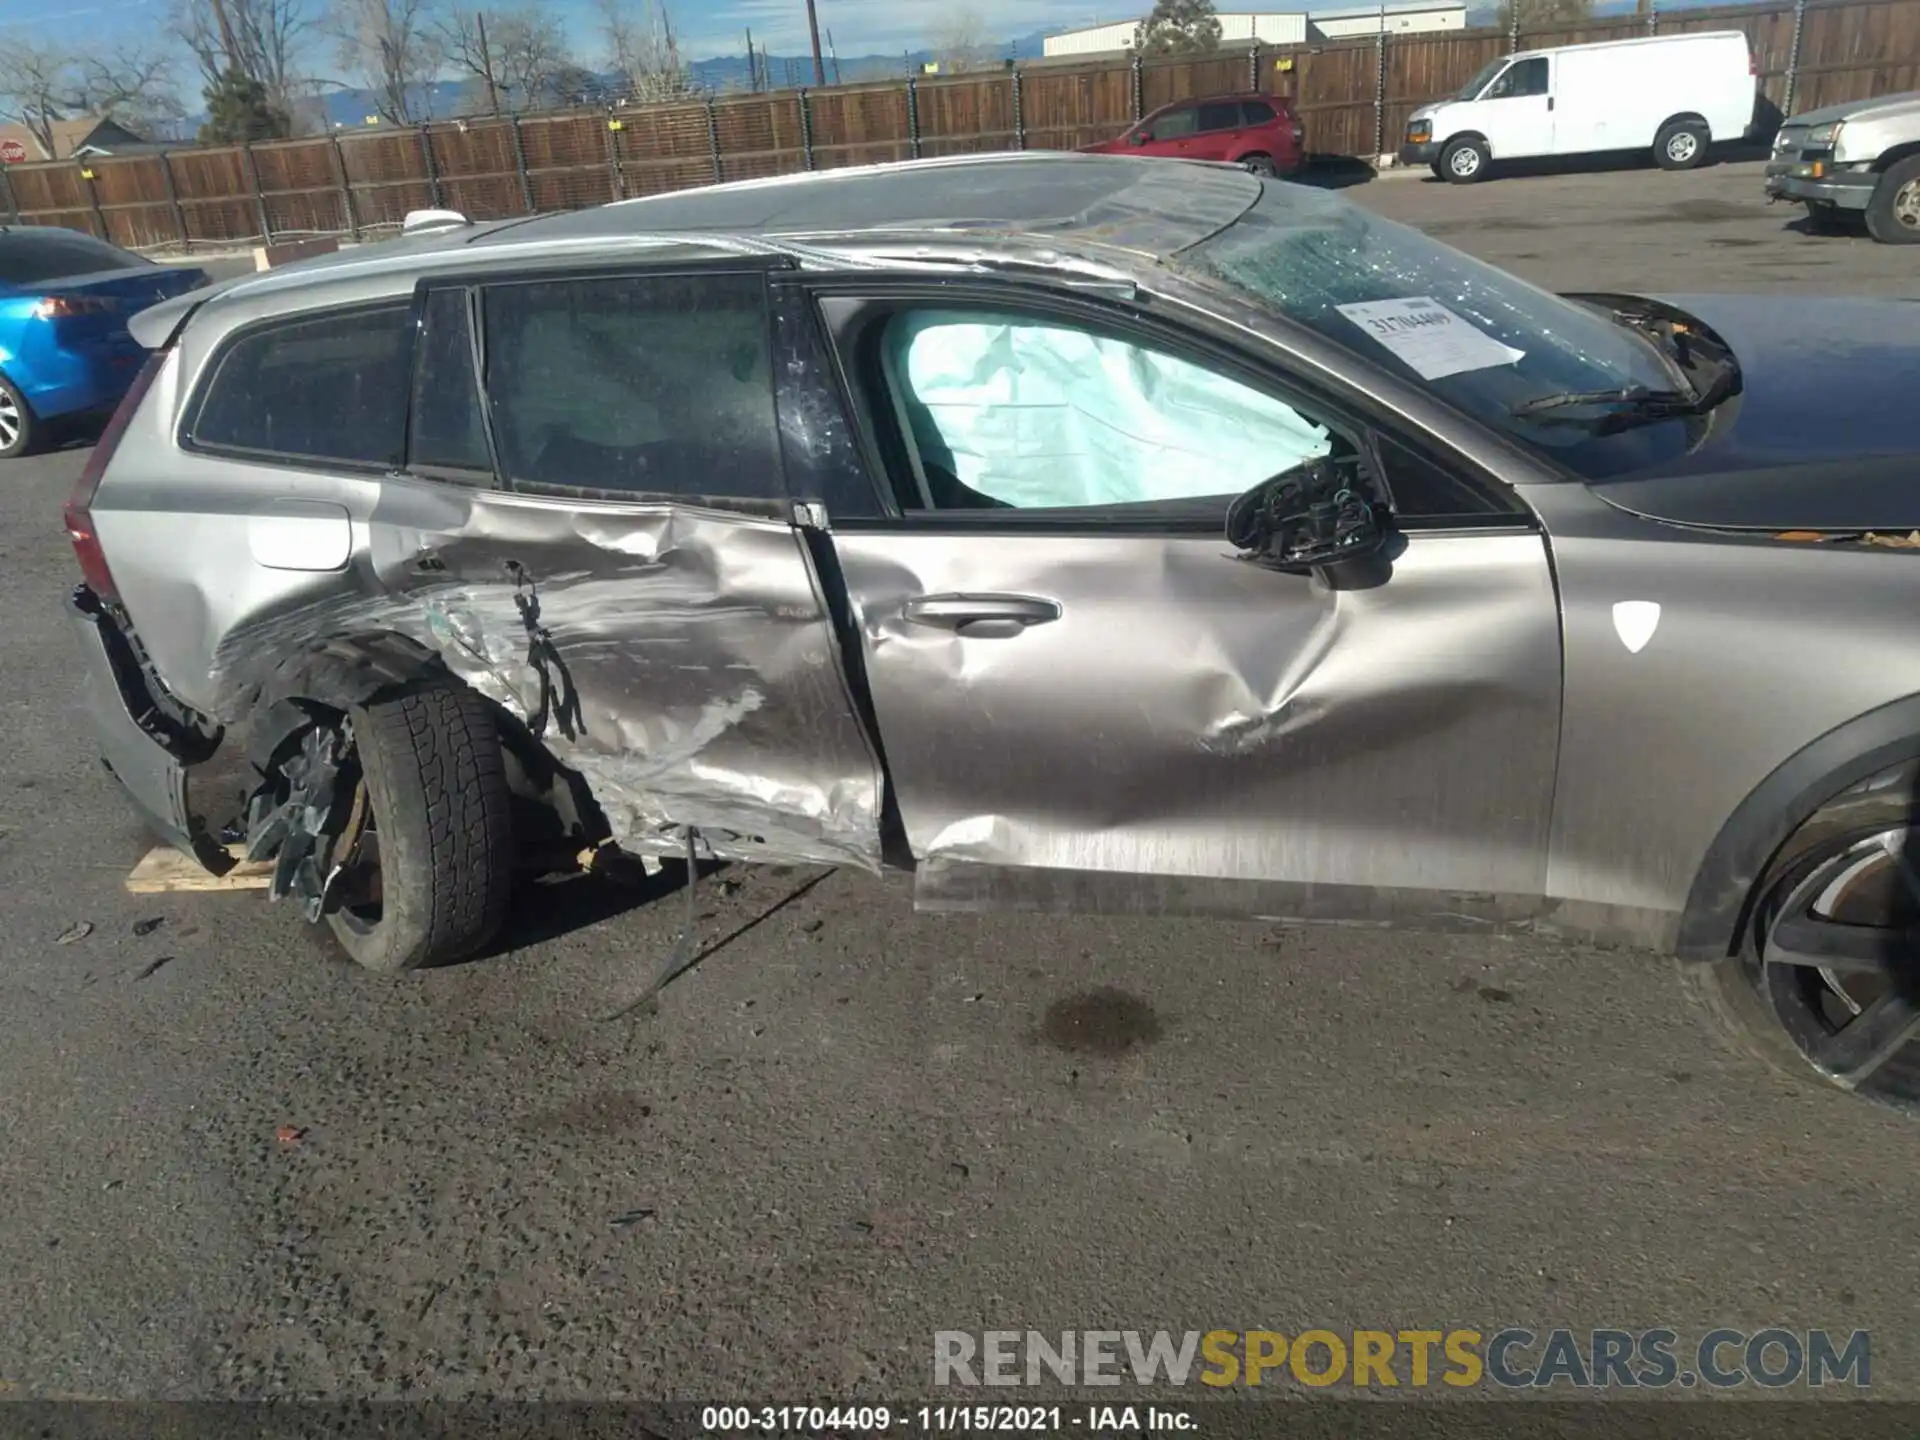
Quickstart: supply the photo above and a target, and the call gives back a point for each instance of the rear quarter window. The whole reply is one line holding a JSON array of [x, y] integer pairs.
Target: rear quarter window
[[326, 387]]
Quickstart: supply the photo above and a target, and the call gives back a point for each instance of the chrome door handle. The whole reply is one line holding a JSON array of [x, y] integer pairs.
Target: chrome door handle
[[984, 617]]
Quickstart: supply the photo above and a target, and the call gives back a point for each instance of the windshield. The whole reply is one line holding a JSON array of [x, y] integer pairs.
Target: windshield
[[1479, 338], [1480, 78], [34, 256]]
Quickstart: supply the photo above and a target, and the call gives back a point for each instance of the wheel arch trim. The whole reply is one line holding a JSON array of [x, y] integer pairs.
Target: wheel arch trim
[[1720, 900]]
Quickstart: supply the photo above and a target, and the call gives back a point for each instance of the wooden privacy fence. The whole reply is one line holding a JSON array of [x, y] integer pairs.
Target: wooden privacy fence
[[1354, 97]]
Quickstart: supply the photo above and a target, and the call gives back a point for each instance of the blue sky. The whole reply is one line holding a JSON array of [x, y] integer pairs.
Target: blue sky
[[707, 27]]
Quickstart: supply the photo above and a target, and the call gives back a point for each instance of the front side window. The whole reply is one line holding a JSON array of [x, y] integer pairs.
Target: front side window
[[329, 387], [1523, 77], [1003, 411], [659, 384], [1175, 124]]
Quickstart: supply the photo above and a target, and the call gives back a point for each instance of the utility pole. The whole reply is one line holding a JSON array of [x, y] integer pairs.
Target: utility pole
[[753, 66], [834, 55], [813, 26], [486, 62]]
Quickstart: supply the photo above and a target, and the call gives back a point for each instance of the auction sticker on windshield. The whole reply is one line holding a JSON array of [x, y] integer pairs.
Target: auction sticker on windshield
[[1430, 337]]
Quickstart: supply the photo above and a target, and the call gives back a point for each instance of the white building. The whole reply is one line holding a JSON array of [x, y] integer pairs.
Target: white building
[[1277, 27], [1243, 28], [1408, 17]]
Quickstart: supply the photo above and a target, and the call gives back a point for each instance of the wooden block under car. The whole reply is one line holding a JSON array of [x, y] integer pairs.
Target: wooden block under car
[[164, 869]]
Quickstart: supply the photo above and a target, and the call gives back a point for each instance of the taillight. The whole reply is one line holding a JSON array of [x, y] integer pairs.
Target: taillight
[[55, 306], [79, 511]]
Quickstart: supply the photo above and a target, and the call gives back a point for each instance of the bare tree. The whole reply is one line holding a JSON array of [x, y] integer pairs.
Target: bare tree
[[392, 48], [129, 83], [517, 55], [960, 43], [271, 41], [641, 51]]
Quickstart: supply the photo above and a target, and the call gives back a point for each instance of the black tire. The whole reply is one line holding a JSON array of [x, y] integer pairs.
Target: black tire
[[1464, 161], [436, 786], [1681, 145], [1893, 211], [1743, 1000], [1261, 165], [20, 430]]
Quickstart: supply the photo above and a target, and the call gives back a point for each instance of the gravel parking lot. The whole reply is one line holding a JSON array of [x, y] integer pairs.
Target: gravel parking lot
[[232, 1165]]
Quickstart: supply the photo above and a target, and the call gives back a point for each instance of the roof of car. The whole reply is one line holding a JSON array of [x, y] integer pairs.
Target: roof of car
[[1154, 207]]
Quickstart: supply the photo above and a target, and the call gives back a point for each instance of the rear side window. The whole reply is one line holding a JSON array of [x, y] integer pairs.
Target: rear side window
[[448, 432], [30, 257], [656, 385], [327, 387], [1256, 112], [1223, 115]]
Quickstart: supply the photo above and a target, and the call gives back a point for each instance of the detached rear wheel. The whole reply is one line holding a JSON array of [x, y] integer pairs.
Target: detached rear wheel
[[1828, 986], [426, 854]]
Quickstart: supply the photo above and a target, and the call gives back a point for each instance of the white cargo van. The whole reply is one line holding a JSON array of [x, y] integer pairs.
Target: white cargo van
[[1675, 94]]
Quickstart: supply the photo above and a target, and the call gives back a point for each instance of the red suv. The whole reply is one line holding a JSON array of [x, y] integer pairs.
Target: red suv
[[1260, 132]]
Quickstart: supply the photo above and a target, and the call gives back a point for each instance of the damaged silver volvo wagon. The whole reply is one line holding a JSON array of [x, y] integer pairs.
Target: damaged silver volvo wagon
[[1080, 532]]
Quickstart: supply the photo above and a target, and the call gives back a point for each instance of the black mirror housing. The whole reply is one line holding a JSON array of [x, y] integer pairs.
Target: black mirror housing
[[1315, 518]]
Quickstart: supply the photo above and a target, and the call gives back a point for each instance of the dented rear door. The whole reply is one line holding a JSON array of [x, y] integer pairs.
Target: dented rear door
[[631, 586], [1105, 709]]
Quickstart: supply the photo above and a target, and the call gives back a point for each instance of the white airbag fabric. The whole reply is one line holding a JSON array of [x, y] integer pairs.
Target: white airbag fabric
[[1035, 415]]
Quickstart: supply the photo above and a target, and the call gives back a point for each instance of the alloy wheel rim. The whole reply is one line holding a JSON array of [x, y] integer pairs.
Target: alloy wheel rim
[[1465, 161], [1682, 146], [9, 420], [1837, 954], [1906, 205]]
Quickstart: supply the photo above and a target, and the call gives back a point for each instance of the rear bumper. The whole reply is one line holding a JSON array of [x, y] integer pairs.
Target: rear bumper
[[134, 738], [74, 383], [1844, 189]]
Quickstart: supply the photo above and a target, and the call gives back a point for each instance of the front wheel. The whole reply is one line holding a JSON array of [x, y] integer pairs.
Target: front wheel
[[1827, 986], [1893, 212], [1464, 161], [1681, 146], [426, 855]]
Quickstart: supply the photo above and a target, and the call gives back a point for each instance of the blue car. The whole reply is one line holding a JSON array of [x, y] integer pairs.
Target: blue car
[[65, 354]]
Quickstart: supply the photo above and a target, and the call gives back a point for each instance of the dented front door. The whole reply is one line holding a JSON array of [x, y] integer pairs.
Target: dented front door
[[1113, 721]]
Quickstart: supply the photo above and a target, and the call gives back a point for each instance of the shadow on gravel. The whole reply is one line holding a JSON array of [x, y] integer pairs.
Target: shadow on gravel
[[1335, 172]]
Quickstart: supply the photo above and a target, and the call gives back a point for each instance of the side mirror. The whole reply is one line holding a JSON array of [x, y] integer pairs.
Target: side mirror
[[1139, 137], [1315, 518]]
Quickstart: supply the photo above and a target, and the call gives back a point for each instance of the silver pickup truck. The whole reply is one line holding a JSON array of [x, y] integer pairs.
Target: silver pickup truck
[[1863, 156]]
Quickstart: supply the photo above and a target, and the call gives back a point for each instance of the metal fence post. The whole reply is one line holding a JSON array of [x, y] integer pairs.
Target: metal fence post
[[806, 129], [615, 175], [1019, 114], [173, 200], [520, 166], [1138, 89], [1513, 26], [1380, 91], [6, 193], [259, 196], [1793, 58], [347, 206], [913, 117], [1253, 68], [433, 171], [713, 140], [93, 199], [1653, 17]]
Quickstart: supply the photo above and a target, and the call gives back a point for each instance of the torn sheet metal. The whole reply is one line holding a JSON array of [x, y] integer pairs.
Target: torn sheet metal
[[1188, 714], [682, 660]]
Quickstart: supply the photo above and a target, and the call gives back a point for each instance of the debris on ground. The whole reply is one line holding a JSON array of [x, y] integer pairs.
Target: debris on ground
[[78, 931], [1909, 541], [290, 1134], [630, 1217], [152, 966], [147, 927]]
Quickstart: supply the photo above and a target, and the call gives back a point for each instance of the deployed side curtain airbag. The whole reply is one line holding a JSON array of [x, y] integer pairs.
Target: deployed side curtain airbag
[[1036, 415]]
